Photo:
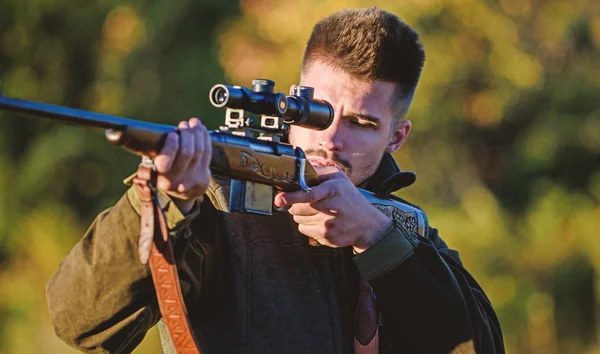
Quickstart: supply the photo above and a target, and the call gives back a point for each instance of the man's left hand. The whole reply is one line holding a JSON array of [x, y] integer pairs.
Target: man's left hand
[[335, 213]]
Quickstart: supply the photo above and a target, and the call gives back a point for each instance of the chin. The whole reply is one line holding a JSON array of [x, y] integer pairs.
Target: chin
[[357, 182]]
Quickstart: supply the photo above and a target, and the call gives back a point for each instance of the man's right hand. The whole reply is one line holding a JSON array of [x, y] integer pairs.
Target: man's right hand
[[183, 164]]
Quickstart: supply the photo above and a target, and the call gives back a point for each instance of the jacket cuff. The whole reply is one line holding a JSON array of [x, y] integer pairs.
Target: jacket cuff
[[175, 218], [393, 248]]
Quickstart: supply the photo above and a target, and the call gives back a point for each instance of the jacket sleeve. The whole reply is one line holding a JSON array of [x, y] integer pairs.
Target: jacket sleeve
[[101, 299], [428, 301]]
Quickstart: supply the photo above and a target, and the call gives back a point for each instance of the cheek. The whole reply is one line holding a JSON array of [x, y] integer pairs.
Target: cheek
[[368, 143], [368, 150]]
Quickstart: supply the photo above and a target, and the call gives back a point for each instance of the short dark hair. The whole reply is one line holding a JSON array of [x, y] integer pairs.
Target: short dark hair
[[370, 44]]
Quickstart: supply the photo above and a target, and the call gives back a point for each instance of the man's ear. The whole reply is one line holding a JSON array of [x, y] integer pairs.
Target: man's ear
[[292, 89], [399, 137]]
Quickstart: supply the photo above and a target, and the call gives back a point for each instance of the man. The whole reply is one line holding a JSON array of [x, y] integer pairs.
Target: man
[[252, 284]]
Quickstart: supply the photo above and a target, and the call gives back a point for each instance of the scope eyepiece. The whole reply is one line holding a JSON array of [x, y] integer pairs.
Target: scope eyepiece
[[307, 112]]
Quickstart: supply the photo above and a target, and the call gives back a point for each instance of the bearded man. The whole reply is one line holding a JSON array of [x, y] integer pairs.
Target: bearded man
[[252, 283]]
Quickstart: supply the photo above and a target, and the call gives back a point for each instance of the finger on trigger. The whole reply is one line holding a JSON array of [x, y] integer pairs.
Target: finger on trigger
[[166, 156]]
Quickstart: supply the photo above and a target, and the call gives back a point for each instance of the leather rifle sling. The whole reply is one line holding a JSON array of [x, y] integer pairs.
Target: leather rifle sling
[[366, 328], [156, 248]]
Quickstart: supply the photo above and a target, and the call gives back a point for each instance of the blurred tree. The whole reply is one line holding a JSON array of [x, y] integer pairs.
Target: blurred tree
[[152, 60], [506, 144], [505, 141]]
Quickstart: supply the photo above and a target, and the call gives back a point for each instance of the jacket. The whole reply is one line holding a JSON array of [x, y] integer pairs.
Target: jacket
[[252, 284]]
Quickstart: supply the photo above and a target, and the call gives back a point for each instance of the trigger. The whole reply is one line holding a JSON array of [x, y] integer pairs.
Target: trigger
[[282, 209]]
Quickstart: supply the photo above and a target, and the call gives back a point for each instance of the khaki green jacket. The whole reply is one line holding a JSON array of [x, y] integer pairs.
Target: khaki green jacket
[[252, 284]]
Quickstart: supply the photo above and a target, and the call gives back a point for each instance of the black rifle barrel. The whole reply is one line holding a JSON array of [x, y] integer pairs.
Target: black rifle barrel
[[76, 116], [140, 137]]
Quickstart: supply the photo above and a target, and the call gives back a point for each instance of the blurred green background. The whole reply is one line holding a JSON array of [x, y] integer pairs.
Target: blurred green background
[[506, 139]]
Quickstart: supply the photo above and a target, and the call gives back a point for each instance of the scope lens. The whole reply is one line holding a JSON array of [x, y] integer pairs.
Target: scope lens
[[221, 95]]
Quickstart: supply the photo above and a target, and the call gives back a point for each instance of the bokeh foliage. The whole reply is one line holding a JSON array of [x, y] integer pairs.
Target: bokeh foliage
[[152, 60], [505, 141]]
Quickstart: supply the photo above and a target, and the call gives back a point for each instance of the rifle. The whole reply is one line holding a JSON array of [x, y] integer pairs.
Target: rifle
[[250, 148]]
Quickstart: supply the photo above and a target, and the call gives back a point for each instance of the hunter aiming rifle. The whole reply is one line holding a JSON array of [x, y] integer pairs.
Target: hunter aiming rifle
[[249, 149]]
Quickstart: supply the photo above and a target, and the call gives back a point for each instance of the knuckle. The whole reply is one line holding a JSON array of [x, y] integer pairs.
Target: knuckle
[[334, 188], [310, 196]]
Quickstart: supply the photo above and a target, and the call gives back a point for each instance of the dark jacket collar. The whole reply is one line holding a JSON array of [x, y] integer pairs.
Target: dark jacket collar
[[388, 178]]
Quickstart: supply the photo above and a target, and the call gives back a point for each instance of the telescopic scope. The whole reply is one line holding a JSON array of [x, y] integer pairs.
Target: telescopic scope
[[260, 100], [300, 108]]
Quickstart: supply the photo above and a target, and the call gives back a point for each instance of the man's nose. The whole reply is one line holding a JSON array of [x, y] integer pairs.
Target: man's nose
[[332, 138]]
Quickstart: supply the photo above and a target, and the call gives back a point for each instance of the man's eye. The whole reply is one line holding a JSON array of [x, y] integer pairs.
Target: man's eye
[[364, 125]]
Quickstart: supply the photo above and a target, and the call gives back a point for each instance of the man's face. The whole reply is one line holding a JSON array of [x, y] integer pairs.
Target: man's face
[[361, 129]]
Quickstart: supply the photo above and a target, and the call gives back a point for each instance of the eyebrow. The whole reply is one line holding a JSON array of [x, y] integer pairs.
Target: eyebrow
[[366, 117]]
